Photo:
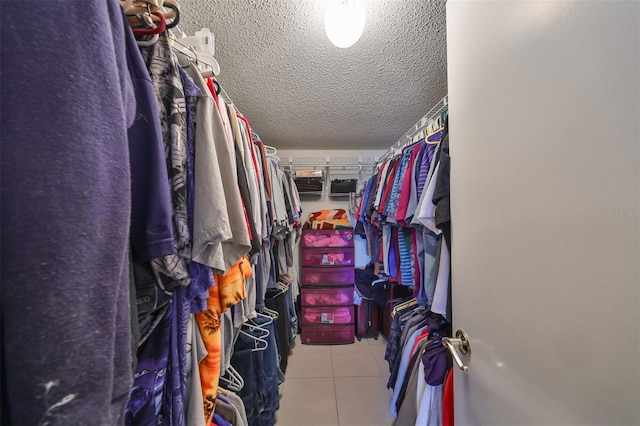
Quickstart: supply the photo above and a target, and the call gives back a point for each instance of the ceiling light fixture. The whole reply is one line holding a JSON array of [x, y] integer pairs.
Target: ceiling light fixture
[[344, 22]]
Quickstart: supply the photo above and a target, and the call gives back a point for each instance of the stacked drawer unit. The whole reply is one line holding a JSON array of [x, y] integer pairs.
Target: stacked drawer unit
[[328, 277]]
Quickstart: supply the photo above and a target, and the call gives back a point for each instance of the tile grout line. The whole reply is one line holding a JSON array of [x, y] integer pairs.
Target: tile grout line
[[335, 388], [335, 396]]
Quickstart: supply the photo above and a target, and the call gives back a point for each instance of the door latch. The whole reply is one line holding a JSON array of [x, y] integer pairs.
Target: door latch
[[460, 342]]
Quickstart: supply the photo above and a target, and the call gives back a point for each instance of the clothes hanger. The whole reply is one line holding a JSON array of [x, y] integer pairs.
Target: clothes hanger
[[173, 13], [141, 6], [403, 305], [150, 42], [201, 60], [257, 327], [235, 382], [142, 19], [434, 131], [270, 151], [161, 27], [202, 45], [272, 313], [282, 287], [186, 53], [256, 341], [216, 85], [266, 317]]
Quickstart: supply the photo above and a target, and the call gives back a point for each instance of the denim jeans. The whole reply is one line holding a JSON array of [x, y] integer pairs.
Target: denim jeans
[[261, 374], [242, 361], [271, 381]]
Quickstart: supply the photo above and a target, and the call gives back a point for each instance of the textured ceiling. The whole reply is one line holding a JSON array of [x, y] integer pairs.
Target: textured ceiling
[[301, 92]]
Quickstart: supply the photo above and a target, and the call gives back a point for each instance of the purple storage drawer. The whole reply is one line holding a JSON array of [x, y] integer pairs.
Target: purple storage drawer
[[327, 238], [334, 296], [328, 276], [334, 315], [328, 256], [328, 334]]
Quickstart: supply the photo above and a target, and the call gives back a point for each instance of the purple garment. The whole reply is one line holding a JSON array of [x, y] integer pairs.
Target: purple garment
[[176, 389], [393, 260], [218, 420], [221, 397], [201, 277], [151, 212], [427, 158], [163, 69], [67, 101], [145, 405], [437, 361]]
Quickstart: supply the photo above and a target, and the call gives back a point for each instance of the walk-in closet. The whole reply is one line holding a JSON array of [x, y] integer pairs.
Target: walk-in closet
[[320, 212]]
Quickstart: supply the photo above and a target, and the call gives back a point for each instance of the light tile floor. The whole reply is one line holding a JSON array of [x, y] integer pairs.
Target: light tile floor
[[341, 385]]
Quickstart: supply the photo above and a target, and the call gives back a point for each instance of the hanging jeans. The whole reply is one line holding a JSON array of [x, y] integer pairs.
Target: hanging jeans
[[278, 302], [260, 371]]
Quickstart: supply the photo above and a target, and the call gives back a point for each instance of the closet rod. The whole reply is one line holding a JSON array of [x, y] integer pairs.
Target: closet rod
[[230, 99], [405, 139], [192, 54]]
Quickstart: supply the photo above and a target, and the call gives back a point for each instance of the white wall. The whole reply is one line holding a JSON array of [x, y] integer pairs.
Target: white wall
[[312, 203]]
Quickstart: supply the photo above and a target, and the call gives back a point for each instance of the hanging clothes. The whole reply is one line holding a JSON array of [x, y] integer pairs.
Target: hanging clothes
[[404, 212]]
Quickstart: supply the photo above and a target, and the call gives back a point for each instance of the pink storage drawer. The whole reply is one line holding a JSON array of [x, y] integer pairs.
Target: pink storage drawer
[[328, 256], [328, 334], [334, 296], [337, 315], [328, 276], [327, 238]]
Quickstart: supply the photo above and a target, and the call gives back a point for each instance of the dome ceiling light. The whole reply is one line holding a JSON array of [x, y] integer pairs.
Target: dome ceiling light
[[344, 22]]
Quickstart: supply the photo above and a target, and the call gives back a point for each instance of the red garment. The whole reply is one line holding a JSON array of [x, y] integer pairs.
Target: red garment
[[405, 190], [253, 150], [423, 335], [212, 89], [447, 401], [379, 181], [388, 185]]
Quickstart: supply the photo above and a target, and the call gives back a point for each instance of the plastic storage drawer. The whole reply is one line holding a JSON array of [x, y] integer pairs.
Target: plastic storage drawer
[[334, 296], [328, 334], [334, 315], [327, 238], [328, 276], [328, 256]]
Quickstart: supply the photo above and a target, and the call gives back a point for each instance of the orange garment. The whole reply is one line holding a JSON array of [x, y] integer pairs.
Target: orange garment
[[209, 325], [228, 290], [232, 283]]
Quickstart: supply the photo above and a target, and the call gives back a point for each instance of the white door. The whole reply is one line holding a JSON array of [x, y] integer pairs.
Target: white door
[[544, 129]]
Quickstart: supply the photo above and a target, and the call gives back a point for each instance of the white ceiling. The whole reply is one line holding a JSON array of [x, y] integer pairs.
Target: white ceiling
[[301, 92]]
